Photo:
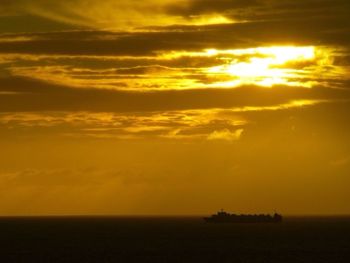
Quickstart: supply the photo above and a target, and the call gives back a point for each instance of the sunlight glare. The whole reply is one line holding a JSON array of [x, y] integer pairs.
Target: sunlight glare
[[263, 66]]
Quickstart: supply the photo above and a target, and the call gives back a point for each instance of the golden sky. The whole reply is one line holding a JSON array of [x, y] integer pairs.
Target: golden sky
[[174, 107]]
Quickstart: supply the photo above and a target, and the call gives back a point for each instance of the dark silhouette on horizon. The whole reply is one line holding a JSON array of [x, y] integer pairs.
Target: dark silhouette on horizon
[[224, 217]]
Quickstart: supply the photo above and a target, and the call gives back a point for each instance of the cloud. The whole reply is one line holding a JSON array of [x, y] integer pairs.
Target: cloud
[[198, 7], [189, 125], [225, 135], [8, 8], [131, 14], [244, 35], [192, 123], [122, 14], [156, 69], [40, 96]]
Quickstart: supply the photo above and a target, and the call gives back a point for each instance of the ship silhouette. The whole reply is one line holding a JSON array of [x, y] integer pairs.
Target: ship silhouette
[[224, 217]]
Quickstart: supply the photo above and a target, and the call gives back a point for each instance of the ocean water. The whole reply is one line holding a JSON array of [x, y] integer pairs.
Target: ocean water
[[121, 239]]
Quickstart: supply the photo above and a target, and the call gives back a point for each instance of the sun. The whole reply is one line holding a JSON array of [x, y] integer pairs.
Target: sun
[[264, 66]]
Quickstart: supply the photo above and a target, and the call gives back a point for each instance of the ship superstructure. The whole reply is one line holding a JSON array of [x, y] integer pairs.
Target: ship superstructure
[[224, 217]]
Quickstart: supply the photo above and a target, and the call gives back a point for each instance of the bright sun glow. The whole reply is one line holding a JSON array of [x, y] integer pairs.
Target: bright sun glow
[[306, 66], [263, 66]]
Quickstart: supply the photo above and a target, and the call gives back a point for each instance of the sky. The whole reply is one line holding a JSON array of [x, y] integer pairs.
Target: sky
[[174, 107]]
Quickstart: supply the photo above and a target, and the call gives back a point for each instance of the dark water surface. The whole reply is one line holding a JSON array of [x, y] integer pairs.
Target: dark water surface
[[107, 239]]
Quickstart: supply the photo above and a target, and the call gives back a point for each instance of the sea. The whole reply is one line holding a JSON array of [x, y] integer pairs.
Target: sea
[[172, 239]]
